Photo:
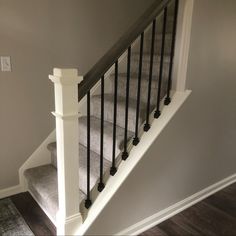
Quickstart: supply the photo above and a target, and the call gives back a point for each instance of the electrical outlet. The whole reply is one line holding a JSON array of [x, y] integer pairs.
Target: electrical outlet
[[6, 64]]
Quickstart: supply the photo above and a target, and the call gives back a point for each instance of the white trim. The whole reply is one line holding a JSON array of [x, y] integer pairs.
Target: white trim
[[183, 38], [10, 191], [136, 154], [69, 225], [41, 156], [65, 76], [65, 117], [167, 213], [67, 137]]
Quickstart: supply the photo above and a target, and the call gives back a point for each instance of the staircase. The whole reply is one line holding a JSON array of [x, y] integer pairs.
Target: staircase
[[118, 110]]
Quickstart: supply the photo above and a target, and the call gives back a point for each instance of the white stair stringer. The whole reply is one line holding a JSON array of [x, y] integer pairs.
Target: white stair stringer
[[136, 154]]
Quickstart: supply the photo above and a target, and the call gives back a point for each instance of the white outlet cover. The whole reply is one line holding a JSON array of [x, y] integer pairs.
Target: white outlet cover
[[6, 64]]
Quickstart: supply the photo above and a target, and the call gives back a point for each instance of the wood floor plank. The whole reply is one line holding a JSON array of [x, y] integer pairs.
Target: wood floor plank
[[210, 220], [154, 231], [33, 215], [223, 201], [170, 228], [215, 216], [231, 190], [186, 225]]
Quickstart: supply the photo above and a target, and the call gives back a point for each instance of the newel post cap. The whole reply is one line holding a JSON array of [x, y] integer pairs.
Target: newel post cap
[[65, 76]]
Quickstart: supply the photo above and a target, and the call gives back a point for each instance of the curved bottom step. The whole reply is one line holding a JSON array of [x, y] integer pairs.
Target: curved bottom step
[[42, 183]]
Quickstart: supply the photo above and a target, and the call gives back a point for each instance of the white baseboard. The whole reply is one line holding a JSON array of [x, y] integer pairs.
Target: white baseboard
[[10, 191], [167, 213]]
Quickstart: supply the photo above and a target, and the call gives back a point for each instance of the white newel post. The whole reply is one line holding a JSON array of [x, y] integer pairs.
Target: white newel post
[[66, 112]]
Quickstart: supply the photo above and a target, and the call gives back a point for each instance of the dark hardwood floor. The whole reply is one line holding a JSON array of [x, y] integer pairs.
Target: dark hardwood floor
[[36, 219], [214, 216]]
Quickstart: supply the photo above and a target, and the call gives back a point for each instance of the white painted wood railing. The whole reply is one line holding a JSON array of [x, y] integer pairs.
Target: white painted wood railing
[[66, 112]]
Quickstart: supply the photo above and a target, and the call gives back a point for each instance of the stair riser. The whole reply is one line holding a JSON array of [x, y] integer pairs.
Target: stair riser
[[108, 115], [158, 45], [94, 165], [144, 89], [159, 25], [146, 67], [95, 128], [94, 168], [107, 139], [54, 157]]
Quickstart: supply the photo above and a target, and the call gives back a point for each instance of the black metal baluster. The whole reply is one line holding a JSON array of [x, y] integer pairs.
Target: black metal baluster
[[125, 153], [136, 138], [88, 201], [147, 125], [168, 99], [113, 169], [158, 112], [101, 185]]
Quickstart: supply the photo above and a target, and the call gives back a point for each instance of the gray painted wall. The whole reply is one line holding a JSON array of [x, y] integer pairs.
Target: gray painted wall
[[40, 35], [198, 147]]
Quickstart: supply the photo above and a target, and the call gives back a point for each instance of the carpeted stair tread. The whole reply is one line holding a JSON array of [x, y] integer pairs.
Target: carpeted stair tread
[[95, 126], [146, 57], [94, 165], [94, 168], [158, 36], [158, 40], [42, 183], [158, 44], [159, 23], [122, 80], [121, 103], [146, 64], [134, 80]]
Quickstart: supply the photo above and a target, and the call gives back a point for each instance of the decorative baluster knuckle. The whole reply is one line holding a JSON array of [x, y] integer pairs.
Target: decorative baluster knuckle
[[125, 155], [113, 170], [146, 127], [167, 101], [136, 141], [101, 186], [157, 114], [88, 203]]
